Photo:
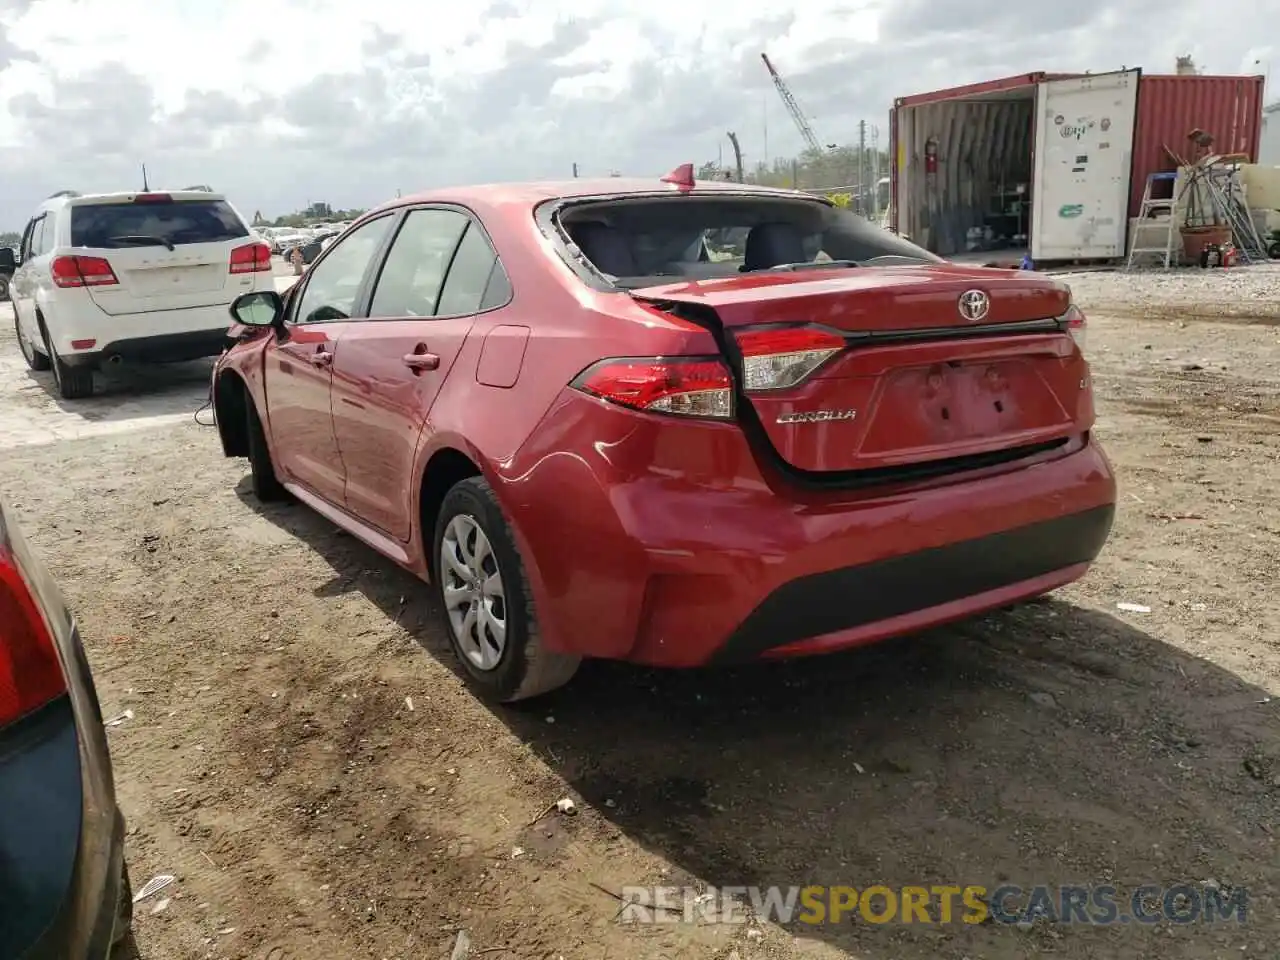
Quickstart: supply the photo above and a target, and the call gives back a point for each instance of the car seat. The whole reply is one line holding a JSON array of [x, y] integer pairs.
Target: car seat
[[773, 244], [606, 247]]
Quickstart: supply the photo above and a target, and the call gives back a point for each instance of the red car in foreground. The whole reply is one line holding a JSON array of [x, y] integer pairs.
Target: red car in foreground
[[673, 423]]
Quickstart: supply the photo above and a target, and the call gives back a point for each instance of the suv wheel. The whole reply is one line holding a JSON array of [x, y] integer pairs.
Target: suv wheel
[[486, 601], [266, 485], [74, 383], [35, 359]]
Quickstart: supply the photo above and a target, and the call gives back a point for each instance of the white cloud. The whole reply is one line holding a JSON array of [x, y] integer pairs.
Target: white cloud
[[286, 101]]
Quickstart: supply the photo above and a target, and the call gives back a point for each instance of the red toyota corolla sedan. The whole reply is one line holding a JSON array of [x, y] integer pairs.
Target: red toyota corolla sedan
[[673, 423]]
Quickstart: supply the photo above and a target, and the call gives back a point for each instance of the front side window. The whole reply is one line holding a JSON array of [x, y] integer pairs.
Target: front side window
[[333, 284]]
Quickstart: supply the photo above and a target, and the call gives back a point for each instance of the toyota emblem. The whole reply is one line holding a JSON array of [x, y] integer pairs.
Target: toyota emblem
[[974, 305]]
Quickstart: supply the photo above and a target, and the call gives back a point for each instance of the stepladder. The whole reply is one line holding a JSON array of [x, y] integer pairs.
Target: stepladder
[[1155, 235]]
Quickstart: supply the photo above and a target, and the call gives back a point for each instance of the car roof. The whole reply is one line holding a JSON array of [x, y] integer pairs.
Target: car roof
[[535, 192]]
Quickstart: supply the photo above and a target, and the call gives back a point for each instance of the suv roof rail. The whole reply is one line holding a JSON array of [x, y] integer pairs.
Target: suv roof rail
[[64, 193], [201, 188]]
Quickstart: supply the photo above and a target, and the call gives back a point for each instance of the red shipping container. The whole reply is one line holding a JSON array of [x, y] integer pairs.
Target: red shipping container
[[1171, 106]]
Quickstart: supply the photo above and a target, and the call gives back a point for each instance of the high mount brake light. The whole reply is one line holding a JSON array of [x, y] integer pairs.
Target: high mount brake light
[[774, 358], [1076, 325], [82, 272], [152, 198], [250, 258], [680, 386], [30, 674]]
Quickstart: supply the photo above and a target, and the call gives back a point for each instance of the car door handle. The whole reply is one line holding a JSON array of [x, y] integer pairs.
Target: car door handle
[[421, 361], [321, 358]]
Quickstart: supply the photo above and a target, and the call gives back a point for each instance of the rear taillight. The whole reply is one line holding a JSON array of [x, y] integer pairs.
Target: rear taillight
[[1076, 325], [82, 272], [30, 674], [683, 386], [774, 358], [251, 258]]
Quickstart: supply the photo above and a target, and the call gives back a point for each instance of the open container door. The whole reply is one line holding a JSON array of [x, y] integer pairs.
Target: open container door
[[1083, 165], [897, 160]]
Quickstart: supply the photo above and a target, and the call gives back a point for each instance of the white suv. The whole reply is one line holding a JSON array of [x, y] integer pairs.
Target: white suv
[[131, 276]]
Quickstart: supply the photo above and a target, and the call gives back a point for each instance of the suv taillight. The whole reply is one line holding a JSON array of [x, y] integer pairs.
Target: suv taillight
[[82, 272], [1076, 325], [30, 674], [250, 258], [774, 358], [680, 386]]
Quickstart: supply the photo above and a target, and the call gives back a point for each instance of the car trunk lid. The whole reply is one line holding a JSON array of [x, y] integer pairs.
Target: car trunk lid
[[872, 368]]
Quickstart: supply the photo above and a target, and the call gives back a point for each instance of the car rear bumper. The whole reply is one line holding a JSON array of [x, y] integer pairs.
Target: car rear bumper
[[719, 561], [160, 348], [79, 327]]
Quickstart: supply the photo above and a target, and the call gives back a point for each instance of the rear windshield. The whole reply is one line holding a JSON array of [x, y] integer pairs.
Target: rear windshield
[[118, 225], [649, 240]]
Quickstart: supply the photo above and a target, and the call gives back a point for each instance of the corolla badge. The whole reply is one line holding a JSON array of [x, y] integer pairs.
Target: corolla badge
[[817, 416], [973, 305]]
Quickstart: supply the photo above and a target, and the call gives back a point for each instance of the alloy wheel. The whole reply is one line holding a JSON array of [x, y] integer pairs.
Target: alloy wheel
[[474, 598]]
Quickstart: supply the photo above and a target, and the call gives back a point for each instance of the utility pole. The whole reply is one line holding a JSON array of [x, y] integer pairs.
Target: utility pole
[[862, 165]]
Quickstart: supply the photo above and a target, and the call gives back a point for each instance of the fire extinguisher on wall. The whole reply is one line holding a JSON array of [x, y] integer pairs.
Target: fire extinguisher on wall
[[931, 155]]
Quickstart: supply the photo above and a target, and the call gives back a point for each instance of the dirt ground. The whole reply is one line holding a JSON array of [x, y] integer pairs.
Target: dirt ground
[[304, 758]]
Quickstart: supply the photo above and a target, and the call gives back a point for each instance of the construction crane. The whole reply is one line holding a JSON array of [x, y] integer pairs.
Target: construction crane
[[793, 108], [737, 154]]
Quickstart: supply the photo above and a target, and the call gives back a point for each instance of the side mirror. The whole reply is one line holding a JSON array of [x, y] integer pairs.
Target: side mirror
[[8, 260], [263, 308]]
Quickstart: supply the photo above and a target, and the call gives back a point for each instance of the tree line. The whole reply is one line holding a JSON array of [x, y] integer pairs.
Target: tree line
[[301, 218], [840, 168]]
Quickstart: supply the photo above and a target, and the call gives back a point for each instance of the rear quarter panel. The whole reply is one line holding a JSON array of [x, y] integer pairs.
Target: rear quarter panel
[[571, 327]]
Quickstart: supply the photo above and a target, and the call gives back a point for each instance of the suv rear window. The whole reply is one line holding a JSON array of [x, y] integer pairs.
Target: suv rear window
[[645, 240], [114, 226]]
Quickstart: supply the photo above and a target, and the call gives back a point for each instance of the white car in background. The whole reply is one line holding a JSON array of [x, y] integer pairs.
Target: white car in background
[[146, 277]]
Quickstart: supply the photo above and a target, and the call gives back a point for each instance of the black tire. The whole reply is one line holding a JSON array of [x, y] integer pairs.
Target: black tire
[[123, 945], [1273, 251], [525, 668], [266, 485], [35, 359], [74, 383]]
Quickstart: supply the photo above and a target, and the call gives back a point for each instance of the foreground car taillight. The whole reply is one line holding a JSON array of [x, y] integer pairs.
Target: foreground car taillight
[[683, 386], [82, 272], [774, 358], [1076, 325], [30, 674], [251, 258]]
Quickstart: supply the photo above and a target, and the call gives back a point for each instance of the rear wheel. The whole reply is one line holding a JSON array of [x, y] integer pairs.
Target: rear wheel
[[35, 359], [74, 383], [266, 485], [486, 601]]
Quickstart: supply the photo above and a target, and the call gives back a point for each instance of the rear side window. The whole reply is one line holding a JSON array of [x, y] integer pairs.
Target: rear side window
[[464, 288], [497, 293], [36, 245], [411, 278], [113, 226]]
